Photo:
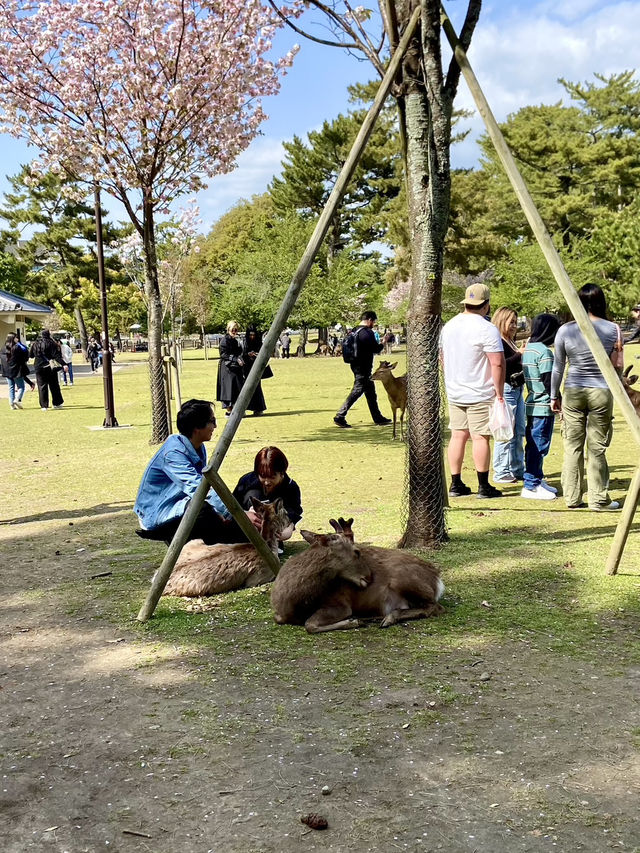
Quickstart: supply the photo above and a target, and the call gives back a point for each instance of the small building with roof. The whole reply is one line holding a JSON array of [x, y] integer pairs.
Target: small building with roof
[[14, 312]]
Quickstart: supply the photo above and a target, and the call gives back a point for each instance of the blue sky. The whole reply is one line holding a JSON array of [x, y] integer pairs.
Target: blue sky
[[518, 52]]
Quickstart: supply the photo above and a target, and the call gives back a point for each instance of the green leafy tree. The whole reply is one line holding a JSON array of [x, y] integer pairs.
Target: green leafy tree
[[580, 163], [59, 252]]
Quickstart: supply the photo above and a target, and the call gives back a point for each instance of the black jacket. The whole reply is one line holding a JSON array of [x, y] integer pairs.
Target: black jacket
[[44, 349], [366, 347], [14, 361], [249, 487]]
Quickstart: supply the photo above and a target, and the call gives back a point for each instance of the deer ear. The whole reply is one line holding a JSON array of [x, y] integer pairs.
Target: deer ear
[[632, 379], [257, 505], [277, 505], [628, 370], [335, 525], [310, 537], [393, 366]]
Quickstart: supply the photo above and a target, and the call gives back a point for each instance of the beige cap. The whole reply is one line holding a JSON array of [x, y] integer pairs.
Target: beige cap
[[476, 294]]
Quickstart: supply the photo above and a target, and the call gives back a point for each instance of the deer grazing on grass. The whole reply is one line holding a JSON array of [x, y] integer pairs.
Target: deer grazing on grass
[[209, 569], [627, 382], [337, 585], [396, 389]]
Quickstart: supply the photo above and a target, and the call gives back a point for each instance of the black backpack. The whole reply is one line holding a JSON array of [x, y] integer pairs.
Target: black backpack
[[350, 346]]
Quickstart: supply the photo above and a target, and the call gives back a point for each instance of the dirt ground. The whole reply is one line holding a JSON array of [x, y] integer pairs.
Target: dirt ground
[[115, 740]]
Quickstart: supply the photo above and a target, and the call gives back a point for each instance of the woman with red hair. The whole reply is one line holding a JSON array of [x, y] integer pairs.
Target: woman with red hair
[[267, 482]]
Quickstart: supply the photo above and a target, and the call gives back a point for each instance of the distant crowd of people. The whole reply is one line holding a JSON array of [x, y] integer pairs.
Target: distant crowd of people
[[51, 358]]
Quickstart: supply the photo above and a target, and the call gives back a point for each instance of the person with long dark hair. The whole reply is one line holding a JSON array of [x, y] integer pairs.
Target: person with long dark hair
[[587, 404], [13, 359], [250, 350], [230, 368], [537, 364]]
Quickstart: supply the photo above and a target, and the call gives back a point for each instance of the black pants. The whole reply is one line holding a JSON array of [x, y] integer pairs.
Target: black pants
[[48, 379], [362, 384], [208, 526]]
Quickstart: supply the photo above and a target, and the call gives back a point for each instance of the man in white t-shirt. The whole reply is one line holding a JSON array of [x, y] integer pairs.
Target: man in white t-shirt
[[474, 368]]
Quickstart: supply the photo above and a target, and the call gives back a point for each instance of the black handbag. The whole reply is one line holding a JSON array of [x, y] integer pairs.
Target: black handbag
[[516, 380]]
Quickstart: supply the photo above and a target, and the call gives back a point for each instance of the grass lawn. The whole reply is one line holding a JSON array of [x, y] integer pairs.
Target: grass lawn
[[509, 721]]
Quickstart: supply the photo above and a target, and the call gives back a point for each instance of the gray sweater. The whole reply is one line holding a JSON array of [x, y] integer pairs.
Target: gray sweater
[[583, 370]]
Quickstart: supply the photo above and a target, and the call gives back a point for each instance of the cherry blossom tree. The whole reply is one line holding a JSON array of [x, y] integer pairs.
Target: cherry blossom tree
[[147, 98]]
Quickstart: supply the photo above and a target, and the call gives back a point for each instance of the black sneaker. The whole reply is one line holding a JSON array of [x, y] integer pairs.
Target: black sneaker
[[341, 422], [488, 491], [459, 491], [382, 421]]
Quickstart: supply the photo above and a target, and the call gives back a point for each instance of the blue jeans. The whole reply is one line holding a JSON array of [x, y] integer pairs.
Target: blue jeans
[[16, 389], [539, 432], [508, 456], [70, 377]]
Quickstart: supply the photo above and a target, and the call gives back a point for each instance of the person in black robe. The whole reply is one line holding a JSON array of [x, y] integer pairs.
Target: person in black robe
[[250, 350], [230, 368]]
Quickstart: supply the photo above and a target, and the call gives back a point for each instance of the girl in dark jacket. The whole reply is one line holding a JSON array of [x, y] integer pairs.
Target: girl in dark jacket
[[14, 358], [230, 368], [269, 481], [250, 349], [44, 351]]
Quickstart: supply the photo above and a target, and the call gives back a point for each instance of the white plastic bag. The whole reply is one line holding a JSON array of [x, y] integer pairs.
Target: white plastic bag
[[501, 421]]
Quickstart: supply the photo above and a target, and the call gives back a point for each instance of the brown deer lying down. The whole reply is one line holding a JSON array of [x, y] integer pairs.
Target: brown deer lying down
[[209, 569], [379, 583], [396, 388], [307, 578], [634, 396]]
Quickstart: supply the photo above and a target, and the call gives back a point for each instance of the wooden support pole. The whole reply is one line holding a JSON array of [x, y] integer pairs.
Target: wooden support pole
[[280, 320], [559, 273]]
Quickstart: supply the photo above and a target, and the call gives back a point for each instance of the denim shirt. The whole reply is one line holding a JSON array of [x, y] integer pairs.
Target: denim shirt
[[170, 481]]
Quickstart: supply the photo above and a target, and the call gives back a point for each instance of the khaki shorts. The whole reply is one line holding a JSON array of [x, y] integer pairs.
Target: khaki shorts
[[473, 417]]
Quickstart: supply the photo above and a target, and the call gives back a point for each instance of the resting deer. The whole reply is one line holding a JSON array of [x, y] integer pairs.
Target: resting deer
[[396, 389], [345, 585], [209, 569], [627, 382]]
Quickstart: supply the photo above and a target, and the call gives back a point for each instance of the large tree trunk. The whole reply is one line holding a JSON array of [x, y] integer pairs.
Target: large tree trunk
[[428, 195], [159, 421]]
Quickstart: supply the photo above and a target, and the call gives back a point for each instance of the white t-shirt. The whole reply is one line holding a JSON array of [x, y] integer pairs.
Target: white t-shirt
[[464, 342]]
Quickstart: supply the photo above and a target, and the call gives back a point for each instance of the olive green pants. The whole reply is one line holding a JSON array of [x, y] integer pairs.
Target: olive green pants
[[588, 413]]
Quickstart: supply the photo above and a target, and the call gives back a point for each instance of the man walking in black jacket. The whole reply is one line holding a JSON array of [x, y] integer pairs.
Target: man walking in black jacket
[[366, 346]]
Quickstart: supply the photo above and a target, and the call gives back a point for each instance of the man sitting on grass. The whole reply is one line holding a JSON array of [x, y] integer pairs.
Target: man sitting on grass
[[172, 478]]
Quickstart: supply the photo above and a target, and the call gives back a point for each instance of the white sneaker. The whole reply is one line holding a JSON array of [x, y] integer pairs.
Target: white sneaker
[[13, 405], [549, 488], [538, 494], [59, 407], [17, 404], [45, 408]]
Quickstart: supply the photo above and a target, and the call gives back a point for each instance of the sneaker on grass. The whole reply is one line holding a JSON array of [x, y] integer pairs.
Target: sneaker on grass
[[538, 494]]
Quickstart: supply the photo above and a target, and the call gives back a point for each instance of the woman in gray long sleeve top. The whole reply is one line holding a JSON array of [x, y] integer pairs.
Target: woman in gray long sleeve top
[[587, 405]]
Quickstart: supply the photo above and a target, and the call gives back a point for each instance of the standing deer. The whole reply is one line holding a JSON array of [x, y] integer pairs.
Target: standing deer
[[627, 382], [209, 569], [396, 389], [341, 585]]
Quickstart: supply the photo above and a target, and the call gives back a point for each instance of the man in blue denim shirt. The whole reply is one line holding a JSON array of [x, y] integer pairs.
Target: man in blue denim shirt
[[172, 478]]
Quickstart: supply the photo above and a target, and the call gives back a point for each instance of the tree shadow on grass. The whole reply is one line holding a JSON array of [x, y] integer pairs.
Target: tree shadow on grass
[[80, 512]]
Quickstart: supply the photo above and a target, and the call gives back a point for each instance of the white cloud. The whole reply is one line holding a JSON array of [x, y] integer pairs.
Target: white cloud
[[256, 167]]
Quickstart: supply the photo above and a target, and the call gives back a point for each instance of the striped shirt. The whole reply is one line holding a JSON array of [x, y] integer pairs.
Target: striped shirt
[[537, 360]]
